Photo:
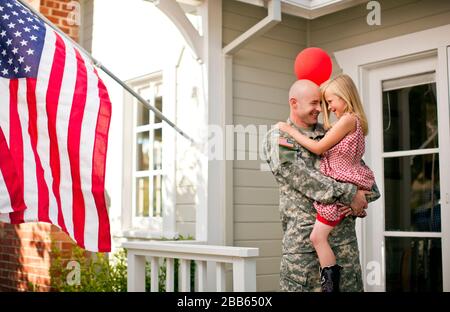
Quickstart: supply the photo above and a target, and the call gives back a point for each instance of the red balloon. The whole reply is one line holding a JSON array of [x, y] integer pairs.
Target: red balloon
[[313, 64]]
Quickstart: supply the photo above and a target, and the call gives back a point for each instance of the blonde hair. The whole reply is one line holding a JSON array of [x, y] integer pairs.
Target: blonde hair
[[344, 87]]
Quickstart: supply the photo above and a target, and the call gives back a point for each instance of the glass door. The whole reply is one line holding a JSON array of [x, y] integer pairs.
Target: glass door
[[404, 229], [412, 199]]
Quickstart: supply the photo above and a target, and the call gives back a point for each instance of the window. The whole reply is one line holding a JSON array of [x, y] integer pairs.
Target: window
[[145, 168]]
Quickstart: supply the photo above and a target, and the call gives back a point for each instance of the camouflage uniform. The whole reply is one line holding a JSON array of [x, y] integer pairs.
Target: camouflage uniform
[[301, 183]]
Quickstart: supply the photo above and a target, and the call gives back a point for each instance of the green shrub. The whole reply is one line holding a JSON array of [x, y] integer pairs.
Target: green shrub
[[96, 272]]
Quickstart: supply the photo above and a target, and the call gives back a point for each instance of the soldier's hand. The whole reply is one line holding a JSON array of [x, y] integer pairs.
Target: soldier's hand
[[346, 211], [359, 202], [363, 214]]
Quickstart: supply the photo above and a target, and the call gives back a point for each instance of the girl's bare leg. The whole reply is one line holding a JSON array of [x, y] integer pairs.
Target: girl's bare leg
[[319, 239]]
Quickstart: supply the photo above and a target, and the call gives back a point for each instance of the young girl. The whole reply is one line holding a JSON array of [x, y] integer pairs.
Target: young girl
[[342, 149]]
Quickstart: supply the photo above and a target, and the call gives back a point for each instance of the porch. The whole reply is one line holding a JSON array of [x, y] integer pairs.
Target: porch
[[242, 260]]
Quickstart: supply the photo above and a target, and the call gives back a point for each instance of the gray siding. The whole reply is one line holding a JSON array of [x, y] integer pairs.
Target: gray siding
[[262, 75], [349, 28]]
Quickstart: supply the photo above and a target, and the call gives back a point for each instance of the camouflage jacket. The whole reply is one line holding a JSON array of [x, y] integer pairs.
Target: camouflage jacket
[[300, 184]]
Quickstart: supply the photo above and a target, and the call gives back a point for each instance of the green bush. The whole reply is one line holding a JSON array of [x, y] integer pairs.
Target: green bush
[[97, 273]]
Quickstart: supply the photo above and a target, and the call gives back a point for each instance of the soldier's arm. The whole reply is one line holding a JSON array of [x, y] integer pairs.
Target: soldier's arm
[[374, 192], [308, 181], [314, 185]]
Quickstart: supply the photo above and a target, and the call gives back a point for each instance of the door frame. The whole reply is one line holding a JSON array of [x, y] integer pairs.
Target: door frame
[[374, 226], [360, 63]]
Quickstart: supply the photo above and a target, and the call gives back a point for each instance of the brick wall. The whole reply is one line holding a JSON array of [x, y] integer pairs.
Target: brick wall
[[26, 255], [25, 249], [62, 14]]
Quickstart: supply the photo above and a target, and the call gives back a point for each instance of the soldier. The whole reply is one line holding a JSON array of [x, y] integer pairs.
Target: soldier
[[301, 183]]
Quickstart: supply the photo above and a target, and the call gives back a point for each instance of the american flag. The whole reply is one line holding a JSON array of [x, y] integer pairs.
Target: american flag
[[54, 121], [286, 142]]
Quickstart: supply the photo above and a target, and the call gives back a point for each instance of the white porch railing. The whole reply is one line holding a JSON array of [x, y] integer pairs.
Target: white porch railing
[[242, 259]]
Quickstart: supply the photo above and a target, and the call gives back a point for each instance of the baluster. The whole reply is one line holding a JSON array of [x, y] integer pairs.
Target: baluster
[[170, 275], [185, 275], [244, 275], [200, 284], [135, 273], [154, 278], [220, 276]]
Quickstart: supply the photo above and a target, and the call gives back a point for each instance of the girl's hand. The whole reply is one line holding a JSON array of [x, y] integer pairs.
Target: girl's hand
[[283, 126]]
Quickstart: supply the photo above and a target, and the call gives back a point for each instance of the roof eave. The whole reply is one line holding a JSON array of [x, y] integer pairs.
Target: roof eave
[[311, 9]]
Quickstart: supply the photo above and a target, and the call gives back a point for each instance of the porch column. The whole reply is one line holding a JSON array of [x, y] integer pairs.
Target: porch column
[[210, 222]]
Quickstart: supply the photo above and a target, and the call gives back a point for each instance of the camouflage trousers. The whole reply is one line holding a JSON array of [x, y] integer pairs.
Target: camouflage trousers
[[300, 272]]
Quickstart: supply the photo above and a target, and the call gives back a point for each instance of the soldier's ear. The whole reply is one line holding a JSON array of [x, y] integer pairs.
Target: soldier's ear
[[293, 103]]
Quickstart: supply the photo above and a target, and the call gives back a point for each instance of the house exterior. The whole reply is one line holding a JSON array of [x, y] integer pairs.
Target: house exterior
[[207, 64], [397, 53]]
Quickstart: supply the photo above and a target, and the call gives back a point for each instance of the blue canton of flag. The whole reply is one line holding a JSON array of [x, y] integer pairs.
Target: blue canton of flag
[[21, 41]]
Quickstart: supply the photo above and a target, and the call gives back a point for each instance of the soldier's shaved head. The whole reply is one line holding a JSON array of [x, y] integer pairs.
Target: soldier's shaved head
[[304, 102], [302, 87]]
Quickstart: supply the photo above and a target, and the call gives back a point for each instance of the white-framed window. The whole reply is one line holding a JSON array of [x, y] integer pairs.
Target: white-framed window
[[148, 173], [148, 203]]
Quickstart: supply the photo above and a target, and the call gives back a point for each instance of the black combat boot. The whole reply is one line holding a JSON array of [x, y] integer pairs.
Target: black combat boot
[[329, 278]]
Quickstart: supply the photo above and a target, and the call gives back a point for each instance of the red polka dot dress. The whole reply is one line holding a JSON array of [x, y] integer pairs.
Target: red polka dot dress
[[342, 162]]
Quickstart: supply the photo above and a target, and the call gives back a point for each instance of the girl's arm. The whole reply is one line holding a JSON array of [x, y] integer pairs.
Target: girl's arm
[[345, 125]]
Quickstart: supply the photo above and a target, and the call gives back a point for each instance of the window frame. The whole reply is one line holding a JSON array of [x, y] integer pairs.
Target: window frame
[[149, 227]]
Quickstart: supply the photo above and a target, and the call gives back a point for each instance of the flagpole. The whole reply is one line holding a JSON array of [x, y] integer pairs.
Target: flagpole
[[104, 69]]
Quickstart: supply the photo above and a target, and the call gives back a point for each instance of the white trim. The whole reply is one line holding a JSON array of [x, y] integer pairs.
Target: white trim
[[443, 96], [176, 14], [273, 18], [358, 62], [149, 227], [210, 210], [377, 53], [188, 247], [229, 191], [145, 234], [372, 78], [169, 150], [127, 159], [410, 153], [146, 173], [210, 214], [412, 234], [310, 9], [148, 127]]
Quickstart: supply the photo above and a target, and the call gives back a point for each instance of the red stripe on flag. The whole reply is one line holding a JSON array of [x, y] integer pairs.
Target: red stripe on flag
[[16, 143], [73, 143], [43, 196], [98, 167], [52, 99], [9, 173]]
